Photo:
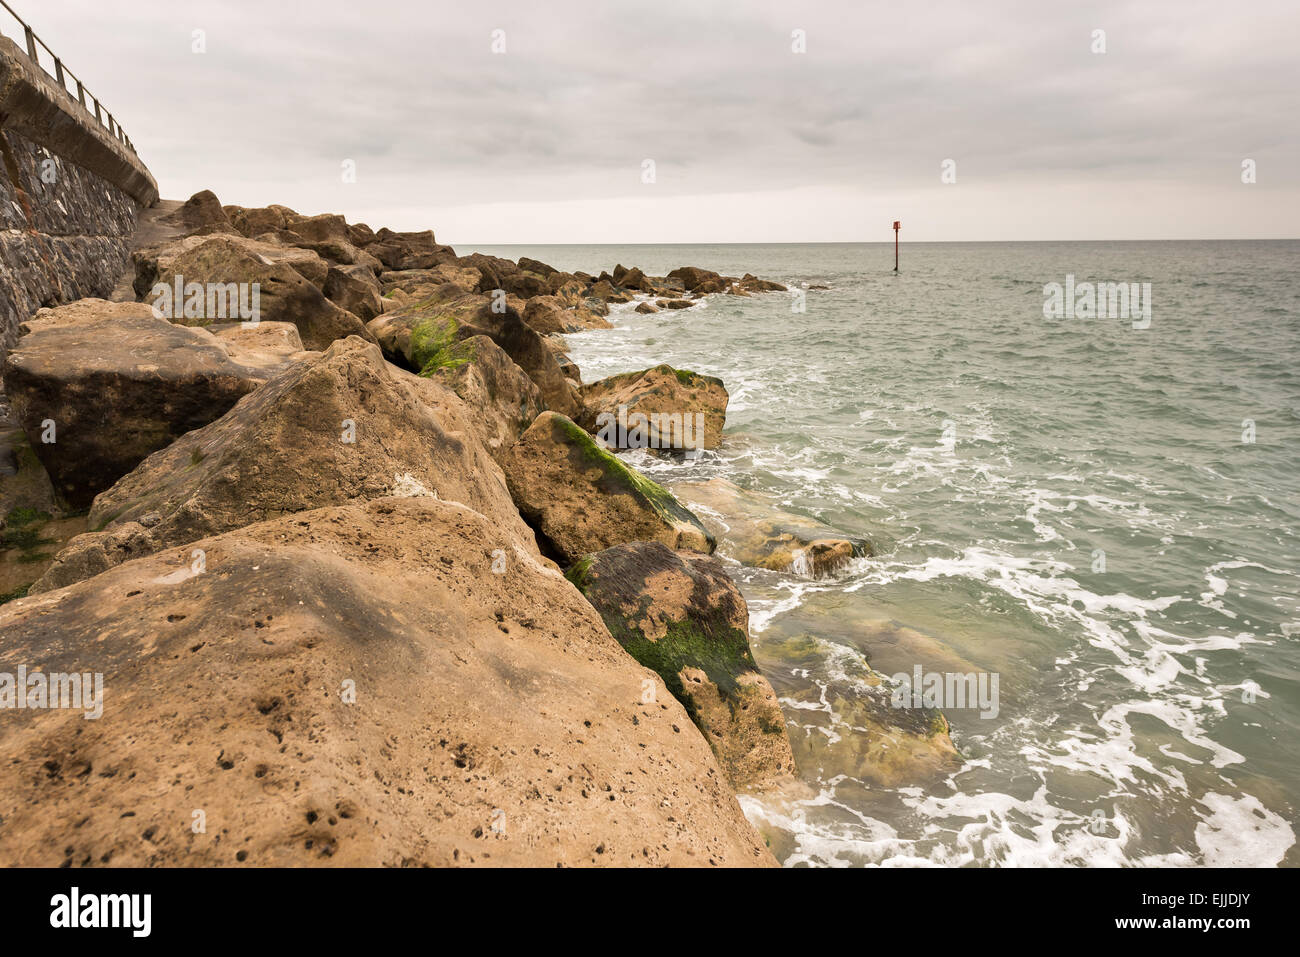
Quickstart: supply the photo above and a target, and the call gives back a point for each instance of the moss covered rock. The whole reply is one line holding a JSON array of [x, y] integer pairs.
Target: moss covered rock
[[681, 616], [581, 499], [658, 408]]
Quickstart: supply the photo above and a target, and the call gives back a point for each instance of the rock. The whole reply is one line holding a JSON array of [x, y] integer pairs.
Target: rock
[[411, 280], [320, 229], [284, 295], [418, 332], [152, 261], [694, 278], [646, 307], [659, 408], [751, 283], [340, 253], [534, 266], [504, 400], [409, 250], [285, 449], [116, 384], [355, 289], [201, 210], [682, 617], [607, 293], [550, 315], [581, 499], [528, 350], [360, 235], [353, 686], [848, 724], [754, 530], [674, 303], [253, 222]]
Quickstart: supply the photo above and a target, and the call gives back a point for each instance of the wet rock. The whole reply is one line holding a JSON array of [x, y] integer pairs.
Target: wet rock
[[755, 530], [682, 617], [581, 499], [660, 408]]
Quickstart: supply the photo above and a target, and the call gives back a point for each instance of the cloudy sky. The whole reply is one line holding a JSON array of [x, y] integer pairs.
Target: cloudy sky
[[546, 142]]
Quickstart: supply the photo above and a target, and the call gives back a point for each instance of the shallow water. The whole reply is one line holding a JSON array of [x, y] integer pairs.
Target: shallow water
[[1067, 503]]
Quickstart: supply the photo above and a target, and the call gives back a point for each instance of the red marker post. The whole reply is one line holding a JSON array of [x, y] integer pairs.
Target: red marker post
[[896, 225]]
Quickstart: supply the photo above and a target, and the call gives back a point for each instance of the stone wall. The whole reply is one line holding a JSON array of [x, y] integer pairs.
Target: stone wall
[[70, 193]]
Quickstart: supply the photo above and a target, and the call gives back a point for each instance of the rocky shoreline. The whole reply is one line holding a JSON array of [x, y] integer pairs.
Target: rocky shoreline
[[364, 577]]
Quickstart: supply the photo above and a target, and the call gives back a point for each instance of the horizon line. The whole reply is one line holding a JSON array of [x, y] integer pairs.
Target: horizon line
[[890, 242]]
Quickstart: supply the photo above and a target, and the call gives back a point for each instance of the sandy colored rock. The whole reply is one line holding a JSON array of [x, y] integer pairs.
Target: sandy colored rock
[[254, 221], [502, 400], [663, 408], [355, 289], [117, 384], [201, 210], [682, 617], [352, 686], [581, 499], [284, 295], [329, 429]]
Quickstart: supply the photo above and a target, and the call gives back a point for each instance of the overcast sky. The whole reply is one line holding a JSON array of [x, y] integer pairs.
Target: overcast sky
[[751, 142]]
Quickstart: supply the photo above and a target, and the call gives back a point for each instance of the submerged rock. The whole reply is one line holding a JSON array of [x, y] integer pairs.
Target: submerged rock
[[681, 616], [675, 408], [329, 429], [581, 499], [351, 686], [755, 530], [848, 723], [99, 385]]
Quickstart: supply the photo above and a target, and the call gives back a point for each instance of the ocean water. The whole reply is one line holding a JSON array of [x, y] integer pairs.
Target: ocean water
[[1105, 517]]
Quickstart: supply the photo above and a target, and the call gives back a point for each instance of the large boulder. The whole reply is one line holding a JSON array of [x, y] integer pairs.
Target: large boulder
[[322, 228], [283, 294], [755, 530], [151, 261], [529, 351], [659, 408], [351, 686], [418, 335], [355, 289], [329, 429], [699, 281], [503, 399], [254, 221], [409, 250], [682, 617], [99, 385], [202, 211], [580, 499], [551, 315]]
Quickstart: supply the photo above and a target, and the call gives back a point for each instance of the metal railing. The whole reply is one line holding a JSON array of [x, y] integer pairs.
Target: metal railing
[[62, 75]]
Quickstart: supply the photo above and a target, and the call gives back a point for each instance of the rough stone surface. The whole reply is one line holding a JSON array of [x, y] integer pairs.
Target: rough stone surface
[[285, 448], [681, 409], [62, 240], [494, 719], [681, 616], [117, 384], [581, 499]]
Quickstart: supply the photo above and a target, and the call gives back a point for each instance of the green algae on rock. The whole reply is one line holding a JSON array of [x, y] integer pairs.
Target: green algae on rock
[[581, 499], [682, 617]]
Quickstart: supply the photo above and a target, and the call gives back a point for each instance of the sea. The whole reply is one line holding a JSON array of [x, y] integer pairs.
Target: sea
[[1100, 509]]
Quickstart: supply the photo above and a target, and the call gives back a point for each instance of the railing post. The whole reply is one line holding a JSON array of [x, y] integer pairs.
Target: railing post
[[98, 118], [31, 43], [58, 75], [81, 94]]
